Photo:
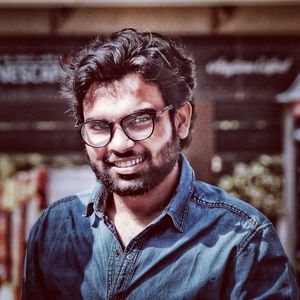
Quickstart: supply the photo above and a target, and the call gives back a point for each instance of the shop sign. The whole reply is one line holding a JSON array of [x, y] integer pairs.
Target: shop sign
[[263, 65], [29, 68], [241, 69]]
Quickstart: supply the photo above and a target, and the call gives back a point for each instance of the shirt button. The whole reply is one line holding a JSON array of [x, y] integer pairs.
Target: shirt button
[[129, 257]]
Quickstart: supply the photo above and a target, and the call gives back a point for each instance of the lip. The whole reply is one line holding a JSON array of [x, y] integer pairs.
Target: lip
[[127, 165]]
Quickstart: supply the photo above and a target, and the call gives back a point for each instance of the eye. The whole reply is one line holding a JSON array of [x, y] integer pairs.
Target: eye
[[97, 126], [139, 120]]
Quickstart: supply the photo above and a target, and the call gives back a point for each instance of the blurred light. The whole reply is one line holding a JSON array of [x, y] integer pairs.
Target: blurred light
[[216, 164]]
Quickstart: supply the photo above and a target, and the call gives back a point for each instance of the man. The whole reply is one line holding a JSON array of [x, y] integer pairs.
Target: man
[[148, 230]]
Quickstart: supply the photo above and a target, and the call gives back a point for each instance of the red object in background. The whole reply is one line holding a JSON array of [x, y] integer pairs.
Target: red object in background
[[296, 109], [4, 249]]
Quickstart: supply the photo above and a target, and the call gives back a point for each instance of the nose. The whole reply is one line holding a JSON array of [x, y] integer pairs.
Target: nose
[[120, 142]]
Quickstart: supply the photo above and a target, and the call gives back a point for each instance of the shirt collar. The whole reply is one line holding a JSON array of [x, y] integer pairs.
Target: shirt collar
[[96, 200], [177, 207]]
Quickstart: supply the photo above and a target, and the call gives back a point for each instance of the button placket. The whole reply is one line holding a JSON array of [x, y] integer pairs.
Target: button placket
[[126, 262], [126, 266]]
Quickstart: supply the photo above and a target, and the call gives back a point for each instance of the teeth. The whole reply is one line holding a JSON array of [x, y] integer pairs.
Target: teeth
[[128, 163]]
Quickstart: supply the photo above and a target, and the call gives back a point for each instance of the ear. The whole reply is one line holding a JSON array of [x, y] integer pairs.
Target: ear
[[183, 119]]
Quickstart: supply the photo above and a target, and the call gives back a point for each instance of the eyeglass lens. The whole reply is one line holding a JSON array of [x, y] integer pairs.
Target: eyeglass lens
[[96, 133], [139, 126]]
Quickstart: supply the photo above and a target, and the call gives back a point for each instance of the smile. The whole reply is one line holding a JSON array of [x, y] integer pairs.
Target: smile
[[128, 163]]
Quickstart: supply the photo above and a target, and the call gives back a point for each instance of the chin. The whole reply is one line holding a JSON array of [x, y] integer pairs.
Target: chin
[[127, 187]]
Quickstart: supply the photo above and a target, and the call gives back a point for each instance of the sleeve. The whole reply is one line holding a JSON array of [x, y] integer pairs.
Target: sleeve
[[260, 269], [33, 279]]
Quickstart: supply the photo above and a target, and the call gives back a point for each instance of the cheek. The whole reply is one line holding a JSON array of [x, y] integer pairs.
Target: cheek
[[94, 153], [165, 131], [161, 136]]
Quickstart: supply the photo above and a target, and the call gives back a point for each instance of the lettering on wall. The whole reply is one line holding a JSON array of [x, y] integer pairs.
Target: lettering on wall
[[260, 66], [29, 68]]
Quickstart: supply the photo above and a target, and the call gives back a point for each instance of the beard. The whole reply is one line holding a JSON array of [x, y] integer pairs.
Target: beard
[[142, 182]]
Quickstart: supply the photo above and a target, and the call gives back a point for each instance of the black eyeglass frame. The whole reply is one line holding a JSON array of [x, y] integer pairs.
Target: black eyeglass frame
[[153, 113]]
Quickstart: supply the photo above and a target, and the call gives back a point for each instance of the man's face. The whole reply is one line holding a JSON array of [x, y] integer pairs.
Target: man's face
[[128, 167]]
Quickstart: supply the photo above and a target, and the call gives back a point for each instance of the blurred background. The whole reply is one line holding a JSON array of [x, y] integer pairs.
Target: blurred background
[[246, 138]]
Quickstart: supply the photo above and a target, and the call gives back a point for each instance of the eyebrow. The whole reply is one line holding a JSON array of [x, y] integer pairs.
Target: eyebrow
[[134, 112]]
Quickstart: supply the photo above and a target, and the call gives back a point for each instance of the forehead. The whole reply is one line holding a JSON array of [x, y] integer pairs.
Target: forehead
[[122, 97]]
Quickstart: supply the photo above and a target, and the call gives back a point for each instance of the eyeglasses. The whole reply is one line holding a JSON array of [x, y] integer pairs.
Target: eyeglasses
[[137, 126]]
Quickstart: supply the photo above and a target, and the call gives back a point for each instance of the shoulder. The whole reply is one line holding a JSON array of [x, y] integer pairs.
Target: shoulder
[[70, 204], [60, 212], [244, 225], [214, 198]]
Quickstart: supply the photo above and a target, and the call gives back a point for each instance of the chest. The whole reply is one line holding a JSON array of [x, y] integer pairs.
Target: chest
[[160, 262]]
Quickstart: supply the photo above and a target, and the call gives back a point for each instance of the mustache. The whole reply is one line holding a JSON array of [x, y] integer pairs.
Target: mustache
[[114, 155]]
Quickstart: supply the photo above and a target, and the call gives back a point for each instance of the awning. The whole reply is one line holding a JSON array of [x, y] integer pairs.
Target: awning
[[141, 3], [292, 94]]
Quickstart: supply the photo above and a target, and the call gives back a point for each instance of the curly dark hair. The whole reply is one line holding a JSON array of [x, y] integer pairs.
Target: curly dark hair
[[156, 58]]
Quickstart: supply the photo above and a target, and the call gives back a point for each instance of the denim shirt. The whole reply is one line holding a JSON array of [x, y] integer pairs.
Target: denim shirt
[[204, 245]]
